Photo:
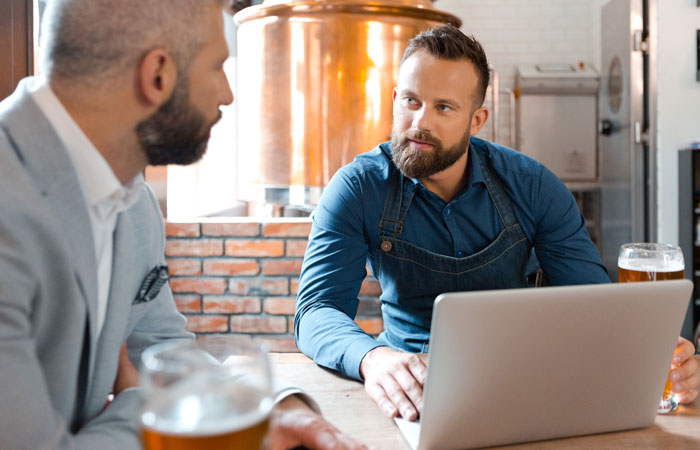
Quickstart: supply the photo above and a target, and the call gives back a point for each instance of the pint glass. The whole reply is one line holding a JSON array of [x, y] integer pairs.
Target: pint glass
[[652, 262], [211, 394]]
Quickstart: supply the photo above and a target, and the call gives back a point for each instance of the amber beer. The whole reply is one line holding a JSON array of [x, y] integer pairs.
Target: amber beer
[[628, 274], [206, 414], [237, 436]]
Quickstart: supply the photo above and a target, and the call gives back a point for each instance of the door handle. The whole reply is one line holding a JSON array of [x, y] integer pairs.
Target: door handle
[[606, 127]]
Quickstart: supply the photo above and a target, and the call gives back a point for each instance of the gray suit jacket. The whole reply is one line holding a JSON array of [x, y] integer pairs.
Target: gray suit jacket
[[55, 371]]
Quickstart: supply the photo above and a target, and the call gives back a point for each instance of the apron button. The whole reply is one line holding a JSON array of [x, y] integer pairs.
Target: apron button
[[386, 246]]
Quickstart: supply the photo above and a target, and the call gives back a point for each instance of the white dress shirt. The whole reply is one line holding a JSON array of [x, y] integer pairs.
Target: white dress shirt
[[104, 194]]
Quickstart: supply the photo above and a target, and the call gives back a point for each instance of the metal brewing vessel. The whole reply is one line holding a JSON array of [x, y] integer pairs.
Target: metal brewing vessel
[[314, 88]]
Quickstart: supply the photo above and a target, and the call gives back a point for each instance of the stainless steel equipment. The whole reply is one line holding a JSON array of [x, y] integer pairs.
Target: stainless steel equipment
[[314, 89], [626, 110], [557, 123]]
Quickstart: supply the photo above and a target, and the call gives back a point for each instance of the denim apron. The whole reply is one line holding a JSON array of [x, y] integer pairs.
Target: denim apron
[[411, 277]]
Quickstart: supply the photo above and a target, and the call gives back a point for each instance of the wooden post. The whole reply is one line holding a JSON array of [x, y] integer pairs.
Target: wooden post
[[16, 46]]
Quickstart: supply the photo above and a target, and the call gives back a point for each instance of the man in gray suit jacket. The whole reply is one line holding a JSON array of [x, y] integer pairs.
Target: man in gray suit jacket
[[125, 84]]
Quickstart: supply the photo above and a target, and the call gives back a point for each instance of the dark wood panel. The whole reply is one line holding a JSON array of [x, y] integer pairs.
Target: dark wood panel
[[16, 59]]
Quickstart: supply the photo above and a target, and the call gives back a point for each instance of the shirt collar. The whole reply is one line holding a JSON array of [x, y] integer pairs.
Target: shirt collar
[[475, 174], [97, 179], [119, 200]]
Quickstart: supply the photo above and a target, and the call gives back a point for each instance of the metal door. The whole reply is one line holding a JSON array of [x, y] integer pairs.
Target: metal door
[[621, 140]]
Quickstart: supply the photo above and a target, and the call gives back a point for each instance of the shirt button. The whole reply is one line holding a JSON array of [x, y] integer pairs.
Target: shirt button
[[459, 254], [448, 211]]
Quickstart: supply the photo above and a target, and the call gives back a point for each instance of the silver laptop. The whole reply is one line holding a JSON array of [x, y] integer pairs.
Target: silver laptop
[[532, 364]]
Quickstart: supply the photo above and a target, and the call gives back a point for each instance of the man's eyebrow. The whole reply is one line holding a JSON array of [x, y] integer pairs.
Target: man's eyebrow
[[448, 101], [407, 92]]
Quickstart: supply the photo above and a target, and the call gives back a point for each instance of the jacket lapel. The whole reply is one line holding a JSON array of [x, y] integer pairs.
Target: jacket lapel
[[49, 164], [121, 292]]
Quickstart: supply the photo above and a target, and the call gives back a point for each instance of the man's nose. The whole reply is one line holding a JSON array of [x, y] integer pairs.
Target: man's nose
[[422, 119], [227, 97]]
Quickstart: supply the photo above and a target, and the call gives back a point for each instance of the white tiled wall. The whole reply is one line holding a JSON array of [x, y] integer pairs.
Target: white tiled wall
[[528, 32]]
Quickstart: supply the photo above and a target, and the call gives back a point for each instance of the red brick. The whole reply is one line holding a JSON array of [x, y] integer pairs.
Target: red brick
[[231, 267], [194, 247], [287, 229], [231, 305], [255, 247], [281, 266], [231, 229], [279, 305], [184, 267], [207, 324], [371, 325], [198, 285], [371, 288], [294, 286], [181, 229], [290, 324], [277, 344], [188, 303], [259, 286], [258, 324], [296, 248]]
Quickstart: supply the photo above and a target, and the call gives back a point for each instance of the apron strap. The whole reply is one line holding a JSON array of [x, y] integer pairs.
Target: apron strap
[[398, 199], [499, 196]]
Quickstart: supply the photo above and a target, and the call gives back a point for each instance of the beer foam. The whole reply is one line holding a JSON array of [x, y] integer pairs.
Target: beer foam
[[209, 427], [650, 265]]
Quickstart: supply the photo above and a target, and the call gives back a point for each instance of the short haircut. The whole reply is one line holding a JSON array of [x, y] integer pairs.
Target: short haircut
[[448, 42], [87, 40]]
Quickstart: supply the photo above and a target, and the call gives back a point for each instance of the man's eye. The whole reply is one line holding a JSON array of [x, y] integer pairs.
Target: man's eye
[[444, 108]]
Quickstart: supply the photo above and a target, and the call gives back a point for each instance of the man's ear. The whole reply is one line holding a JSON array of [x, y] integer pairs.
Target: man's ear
[[157, 75], [479, 118]]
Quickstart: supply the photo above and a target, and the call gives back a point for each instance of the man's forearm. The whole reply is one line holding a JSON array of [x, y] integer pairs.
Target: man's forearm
[[333, 339]]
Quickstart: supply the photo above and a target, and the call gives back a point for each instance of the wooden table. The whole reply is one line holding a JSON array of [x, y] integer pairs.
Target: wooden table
[[346, 405]]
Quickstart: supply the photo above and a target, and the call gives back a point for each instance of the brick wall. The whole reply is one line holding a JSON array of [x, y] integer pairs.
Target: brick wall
[[240, 276]]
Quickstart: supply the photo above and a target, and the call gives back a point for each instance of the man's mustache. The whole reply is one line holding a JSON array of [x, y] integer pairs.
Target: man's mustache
[[423, 136]]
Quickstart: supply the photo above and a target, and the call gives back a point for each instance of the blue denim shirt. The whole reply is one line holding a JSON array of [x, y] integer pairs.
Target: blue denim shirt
[[345, 233]]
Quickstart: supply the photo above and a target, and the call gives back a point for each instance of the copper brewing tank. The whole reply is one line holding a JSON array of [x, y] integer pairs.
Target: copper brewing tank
[[314, 88]]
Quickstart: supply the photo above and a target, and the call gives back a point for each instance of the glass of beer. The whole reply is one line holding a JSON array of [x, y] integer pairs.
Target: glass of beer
[[652, 262], [215, 393]]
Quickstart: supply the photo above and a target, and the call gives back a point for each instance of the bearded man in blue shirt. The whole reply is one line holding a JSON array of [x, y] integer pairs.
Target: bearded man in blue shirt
[[432, 211]]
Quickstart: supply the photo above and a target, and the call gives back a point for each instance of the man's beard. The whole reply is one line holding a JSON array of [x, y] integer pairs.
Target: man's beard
[[417, 163], [176, 133]]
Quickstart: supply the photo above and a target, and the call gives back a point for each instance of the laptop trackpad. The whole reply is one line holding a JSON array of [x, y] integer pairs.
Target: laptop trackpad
[[410, 431]]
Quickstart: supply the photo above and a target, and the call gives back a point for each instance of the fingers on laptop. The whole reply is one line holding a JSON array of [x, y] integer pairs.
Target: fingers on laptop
[[391, 397], [412, 389], [377, 393], [398, 397], [417, 368]]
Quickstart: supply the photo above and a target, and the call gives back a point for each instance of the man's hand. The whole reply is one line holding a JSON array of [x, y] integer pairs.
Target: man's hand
[[684, 374], [394, 380], [127, 375], [294, 424]]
